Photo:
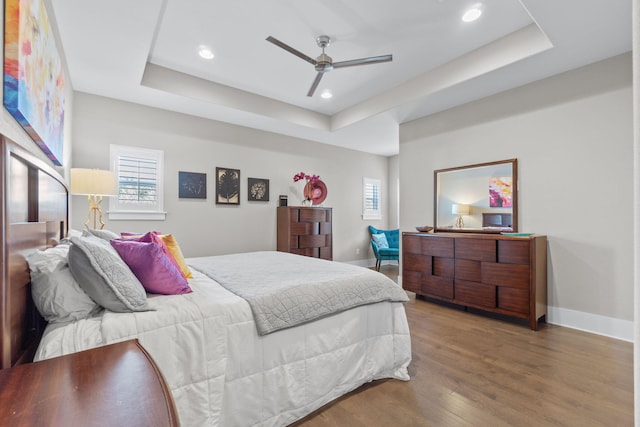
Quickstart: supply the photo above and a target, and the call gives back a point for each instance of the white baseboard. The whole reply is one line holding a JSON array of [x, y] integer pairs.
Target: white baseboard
[[371, 262], [588, 322], [362, 262], [594, 323]]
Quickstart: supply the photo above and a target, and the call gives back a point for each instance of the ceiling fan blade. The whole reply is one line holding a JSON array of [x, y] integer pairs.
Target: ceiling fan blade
[[315, 83], [291, 50], [363, 61]]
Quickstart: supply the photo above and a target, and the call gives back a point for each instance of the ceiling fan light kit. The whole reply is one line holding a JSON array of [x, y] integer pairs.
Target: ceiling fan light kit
[[324, 63]]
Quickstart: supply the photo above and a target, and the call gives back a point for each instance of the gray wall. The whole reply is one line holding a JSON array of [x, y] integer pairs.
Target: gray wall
[[572, 136], [199, 145]]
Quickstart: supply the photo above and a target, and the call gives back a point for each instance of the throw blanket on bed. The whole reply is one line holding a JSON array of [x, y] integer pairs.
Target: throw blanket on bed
[[285, 290]]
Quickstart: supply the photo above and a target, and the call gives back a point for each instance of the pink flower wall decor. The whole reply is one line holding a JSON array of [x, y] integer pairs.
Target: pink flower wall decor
[[311, 179]]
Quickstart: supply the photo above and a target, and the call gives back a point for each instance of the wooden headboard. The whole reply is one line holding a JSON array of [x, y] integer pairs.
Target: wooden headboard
[[34, 215], [496, 219]]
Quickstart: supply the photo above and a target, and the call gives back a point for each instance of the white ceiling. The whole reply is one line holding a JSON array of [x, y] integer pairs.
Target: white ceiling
[[145, 51]]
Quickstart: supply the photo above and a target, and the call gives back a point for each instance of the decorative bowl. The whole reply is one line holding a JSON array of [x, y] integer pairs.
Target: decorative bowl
[[424, 229]]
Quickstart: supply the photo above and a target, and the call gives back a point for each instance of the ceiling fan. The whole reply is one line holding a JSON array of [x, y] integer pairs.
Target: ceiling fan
[[324, 63]]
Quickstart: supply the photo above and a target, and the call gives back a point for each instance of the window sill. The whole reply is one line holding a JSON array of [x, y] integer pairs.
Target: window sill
[[137, 216], [371, 216]]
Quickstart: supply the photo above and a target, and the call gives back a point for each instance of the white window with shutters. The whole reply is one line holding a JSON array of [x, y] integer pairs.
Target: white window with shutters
[[140, 173], [371, 206]]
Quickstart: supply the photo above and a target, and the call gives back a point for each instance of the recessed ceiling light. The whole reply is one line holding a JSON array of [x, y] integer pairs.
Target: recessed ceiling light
[[205, 52], [472, 14], [326, 94]]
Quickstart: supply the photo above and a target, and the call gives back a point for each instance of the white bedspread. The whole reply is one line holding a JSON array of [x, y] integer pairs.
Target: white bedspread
[[222, 373]]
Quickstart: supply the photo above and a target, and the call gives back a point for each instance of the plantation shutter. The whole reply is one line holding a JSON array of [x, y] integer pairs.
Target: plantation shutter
[[371, 199], [137, 180], [140, 183]]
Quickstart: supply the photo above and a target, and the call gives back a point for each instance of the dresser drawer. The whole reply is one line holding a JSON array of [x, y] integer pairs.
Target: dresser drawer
[[412, 281], [303, 228], [411, 244], [476, 249], [416, 262], [437, 246], [468, 270], [313, 215], [512, 299], [438, 286], [511, 275], [312, 241], [443, 267], [513, 252], [474, 293]]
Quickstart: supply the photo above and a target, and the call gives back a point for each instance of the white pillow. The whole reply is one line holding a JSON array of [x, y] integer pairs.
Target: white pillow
[[57, 296]]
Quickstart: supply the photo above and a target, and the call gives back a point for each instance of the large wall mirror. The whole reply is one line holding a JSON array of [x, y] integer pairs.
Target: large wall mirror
[[480, 198]]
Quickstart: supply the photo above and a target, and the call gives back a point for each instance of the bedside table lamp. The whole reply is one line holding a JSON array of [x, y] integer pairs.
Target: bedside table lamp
[[460, 210], [95, 183]]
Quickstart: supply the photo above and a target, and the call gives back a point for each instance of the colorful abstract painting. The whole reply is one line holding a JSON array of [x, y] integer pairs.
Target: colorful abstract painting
[[33, 76], [500, 195]]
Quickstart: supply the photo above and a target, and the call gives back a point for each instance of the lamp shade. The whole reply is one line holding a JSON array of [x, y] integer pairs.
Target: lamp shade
[[457, 209], [93, 181]]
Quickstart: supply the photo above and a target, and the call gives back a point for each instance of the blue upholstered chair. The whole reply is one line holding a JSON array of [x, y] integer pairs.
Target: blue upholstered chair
[[392, 252]]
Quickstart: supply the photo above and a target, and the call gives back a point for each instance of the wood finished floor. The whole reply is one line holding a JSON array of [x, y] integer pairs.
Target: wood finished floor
[[474, 370]]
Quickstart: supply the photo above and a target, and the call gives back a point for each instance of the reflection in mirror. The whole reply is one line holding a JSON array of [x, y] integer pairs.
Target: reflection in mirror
[[480, 198]]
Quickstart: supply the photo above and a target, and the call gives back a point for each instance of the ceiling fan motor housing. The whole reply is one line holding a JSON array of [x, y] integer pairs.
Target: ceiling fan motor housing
[[324, 63]]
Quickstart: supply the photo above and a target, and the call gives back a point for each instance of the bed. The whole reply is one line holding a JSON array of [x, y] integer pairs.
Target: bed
[[221, 369]]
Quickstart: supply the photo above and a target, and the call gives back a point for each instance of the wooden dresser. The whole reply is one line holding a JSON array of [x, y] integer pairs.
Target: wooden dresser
[[491, 272], [305, 231], [114, 385]]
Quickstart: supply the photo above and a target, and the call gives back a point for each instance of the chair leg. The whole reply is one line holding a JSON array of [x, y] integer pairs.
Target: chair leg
[[378, 263]]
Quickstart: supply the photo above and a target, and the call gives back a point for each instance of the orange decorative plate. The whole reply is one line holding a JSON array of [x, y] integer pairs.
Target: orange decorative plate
[[317, 192]]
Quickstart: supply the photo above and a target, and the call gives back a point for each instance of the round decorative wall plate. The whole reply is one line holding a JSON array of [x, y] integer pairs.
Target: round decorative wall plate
[[317, 192]]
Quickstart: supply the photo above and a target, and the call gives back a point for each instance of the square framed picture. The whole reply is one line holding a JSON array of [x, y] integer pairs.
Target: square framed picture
[[192, 185], [258, 190], [227, 186]]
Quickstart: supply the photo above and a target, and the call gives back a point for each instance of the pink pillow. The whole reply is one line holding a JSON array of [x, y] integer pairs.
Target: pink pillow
[[154, 236], [152, 267]]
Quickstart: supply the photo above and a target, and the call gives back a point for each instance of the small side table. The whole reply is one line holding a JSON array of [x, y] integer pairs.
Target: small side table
[[114, 385]]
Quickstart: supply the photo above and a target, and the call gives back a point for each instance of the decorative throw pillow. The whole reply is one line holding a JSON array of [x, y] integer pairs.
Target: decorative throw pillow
[[55, 293], [381, 240], [173, 246], [104, 276], [152, 267], [154, 237]]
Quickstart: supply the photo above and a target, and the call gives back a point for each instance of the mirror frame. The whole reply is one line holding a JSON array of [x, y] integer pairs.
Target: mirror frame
[[514, 207]]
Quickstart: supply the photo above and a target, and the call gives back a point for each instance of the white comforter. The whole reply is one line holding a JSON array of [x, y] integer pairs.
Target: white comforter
[[222, 373]]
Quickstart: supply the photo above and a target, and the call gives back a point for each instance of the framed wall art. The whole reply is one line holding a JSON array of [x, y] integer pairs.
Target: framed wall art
[[33, 75], [192, 185], [258, 190], [500, 192], [227, 186]]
